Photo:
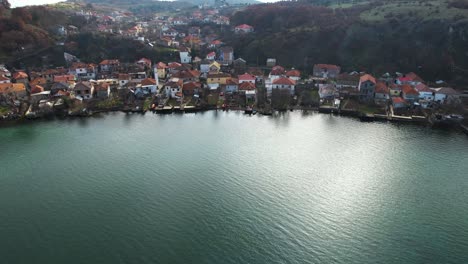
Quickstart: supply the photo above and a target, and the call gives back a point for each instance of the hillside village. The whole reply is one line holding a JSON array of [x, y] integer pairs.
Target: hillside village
[[207, 74]]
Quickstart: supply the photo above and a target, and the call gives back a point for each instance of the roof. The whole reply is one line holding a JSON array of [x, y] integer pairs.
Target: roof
[[37, 89], [232, 81], [191, 86], [6, 88], [446, 90], [367, 77], [244, 26], [246, 77], [277, 70], [381, 87], [293, 73], [64, 78], [407, 89], [83, 85], [145, 61], [161, 65], [414, 77], [102, 87], [284, 81], [327, 66], [174, 65], [148, 81], [124, 76], [246, 86], [421, 87], [211, 54], [38, 80], [20, 75], [398, 100], [219, 75]]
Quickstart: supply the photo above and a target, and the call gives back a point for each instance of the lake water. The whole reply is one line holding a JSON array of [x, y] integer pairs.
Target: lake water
[[219, 187]]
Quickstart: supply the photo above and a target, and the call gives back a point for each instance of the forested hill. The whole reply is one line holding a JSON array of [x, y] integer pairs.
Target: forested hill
[[430, 37], [136, 3]]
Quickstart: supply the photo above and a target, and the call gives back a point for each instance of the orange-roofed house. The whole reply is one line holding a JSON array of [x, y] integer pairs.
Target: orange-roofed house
[[191, 88], [398, 103], [232, 85], [36, 89], [38, 81], [144, 62], [326, 70], [409, 93], [64, 78], [109, 65], [246, 86], [161, 70], [148, 86], [102, 90], [382, 93], [293, 74], [21, 77], [13, 90], [84, 90], [282, 83], [366, 87]]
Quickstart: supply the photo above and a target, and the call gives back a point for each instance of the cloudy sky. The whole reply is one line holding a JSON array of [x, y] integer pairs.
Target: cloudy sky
[[16, 3]]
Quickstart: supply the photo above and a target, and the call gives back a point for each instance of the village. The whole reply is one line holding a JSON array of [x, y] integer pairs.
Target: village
[[207, 75]]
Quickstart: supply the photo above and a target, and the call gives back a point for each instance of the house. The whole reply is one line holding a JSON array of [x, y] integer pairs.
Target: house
[[161, 70], [244, 28], [187, 75], [102, 90], [173, 67], [327, 91], [4, 79], [184, 54], [382, 93], [144, 62], [409, 93], [293, 74], [124, 78], [109, 65], [276, 72], [191, 88], [84, 90], [246, 78], [394, 89], [38, 81], [226, 55], [326, 70], [220, 78], [37, 89], [149, 85], [398, 103], [366, 87], [283, 83], [211, 55], [426, 95], [346, 80], [409, 78], [232, 85], [21, 77], [173, 87], [13, 90], [83, 71], [446, 95], [246, 86], [69, 78], [215, 44], [56, 87]]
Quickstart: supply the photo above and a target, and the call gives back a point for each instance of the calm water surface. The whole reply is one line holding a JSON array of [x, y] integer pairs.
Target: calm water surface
[[228, 188]]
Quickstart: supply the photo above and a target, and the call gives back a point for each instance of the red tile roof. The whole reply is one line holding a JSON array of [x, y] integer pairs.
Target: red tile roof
[[109, 62], [284, 81], [407, 89], [148, 81], [190, 86], [367, 77], [246, 77], [244, 26], [37, 89], [293, 73], [247, 86], [20, 75], [398, 100], [381, 87]]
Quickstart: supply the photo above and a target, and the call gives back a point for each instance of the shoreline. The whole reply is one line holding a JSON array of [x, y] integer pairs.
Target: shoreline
[[364, 118]]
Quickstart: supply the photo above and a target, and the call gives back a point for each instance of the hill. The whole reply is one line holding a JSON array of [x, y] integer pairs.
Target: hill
[[375, 36]]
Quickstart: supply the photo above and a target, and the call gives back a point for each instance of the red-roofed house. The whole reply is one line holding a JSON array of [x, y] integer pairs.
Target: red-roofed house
[[326, 70], [144, 62], [425, 93], [191, 88], [244, 28], [294, 74], [211, 55], [37, 89], [366, 87], [398, 102], [109, 65], [283, 83], [409, 93], [21, 77], [382, 93], [246, 86], [161, 69], [246, 78], [64, 78], [149, 85]]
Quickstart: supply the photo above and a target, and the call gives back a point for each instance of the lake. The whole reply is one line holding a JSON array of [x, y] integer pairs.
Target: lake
[[219, 187]]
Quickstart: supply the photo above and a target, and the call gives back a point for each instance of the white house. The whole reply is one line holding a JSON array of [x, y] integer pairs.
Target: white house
[[282, 83], [246, 78], [173, 87], [185, 56]]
